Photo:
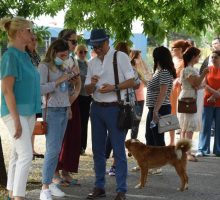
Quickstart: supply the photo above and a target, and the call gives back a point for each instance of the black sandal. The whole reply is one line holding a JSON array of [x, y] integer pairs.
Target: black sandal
[[36, 155]]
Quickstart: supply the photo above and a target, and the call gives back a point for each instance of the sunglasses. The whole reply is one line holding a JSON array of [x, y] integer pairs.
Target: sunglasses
[[83, 52], [98, 46], [73, 42]]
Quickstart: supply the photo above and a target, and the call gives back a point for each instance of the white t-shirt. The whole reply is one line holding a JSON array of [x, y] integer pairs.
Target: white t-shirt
[[106, 72]]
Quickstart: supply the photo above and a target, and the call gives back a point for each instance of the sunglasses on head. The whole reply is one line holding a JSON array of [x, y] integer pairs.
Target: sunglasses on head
[[83, 52], [74, 42]]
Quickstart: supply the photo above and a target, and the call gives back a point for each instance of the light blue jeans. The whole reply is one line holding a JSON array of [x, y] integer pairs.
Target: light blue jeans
[[209, 114], [103, 120], [57, 122]]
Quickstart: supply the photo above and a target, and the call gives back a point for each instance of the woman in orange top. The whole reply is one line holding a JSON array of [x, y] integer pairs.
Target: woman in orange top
[[211, 109], [177, 50]]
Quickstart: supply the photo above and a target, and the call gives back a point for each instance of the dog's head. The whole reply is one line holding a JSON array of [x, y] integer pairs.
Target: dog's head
[[132, 145]]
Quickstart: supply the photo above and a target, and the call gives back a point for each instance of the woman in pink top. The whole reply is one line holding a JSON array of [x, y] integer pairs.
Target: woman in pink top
[[144, 75]]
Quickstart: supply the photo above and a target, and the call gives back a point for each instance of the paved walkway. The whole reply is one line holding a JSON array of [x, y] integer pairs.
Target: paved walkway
[[204, 176]]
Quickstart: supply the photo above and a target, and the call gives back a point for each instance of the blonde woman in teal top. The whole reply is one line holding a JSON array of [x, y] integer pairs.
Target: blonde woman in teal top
[[20, 101]]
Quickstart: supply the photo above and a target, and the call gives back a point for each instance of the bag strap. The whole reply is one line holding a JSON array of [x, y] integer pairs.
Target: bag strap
[[47, 95], [115, 65]]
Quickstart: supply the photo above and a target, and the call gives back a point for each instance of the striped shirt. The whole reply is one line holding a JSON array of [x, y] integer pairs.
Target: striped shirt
[[160, 77]]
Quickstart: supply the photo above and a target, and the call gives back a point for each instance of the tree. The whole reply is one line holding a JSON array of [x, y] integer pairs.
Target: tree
[[159, 17]]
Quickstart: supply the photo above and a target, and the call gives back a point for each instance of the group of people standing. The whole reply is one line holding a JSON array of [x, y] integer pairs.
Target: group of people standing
[[73, 89], [57, 78]]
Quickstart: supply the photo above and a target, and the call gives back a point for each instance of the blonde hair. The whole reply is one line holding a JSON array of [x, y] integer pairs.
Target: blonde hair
[[12, 25], [80, 47]]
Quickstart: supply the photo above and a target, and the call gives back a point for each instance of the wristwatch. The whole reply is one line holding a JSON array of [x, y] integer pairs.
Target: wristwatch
[[116, 88]]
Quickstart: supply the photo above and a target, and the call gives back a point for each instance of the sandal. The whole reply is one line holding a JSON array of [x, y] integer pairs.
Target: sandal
[[192, 158], [37, 155], [59, 181], [73, 182], [68, 179]]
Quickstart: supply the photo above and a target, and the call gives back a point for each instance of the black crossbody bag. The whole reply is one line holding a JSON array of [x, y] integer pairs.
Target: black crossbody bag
[[127, 114]]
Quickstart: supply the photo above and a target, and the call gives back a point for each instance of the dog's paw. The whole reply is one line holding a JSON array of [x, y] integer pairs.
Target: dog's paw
[[138, 186], [186, 186], [180, 189]]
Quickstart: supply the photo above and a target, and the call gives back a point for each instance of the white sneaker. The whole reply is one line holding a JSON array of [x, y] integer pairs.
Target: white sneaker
[[155, 171], [55, 191], [45, 195], [199, 154]]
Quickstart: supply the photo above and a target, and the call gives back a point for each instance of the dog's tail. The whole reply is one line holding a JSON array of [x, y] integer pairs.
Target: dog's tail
[[184, 145]]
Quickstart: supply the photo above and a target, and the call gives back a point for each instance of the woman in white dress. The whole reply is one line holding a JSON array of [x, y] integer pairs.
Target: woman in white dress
[[190, 81]]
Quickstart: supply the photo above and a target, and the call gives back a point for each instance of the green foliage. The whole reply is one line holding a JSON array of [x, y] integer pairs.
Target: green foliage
[[41, 32], [159, 17]]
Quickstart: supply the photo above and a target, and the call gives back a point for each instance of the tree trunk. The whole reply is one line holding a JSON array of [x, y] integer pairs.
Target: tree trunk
[[3, 176]]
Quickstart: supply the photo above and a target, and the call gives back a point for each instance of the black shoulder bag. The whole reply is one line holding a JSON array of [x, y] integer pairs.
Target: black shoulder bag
[[125, 116]]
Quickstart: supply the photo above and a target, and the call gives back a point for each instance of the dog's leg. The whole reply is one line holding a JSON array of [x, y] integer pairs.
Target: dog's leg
[[145, 181], [186, 177], [180, 172], [142, 178]]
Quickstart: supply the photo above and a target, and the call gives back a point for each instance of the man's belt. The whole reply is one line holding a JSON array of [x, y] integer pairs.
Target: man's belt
[[106, 104]]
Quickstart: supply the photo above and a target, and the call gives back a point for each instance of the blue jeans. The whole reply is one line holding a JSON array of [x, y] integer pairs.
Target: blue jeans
[[209, 114], [57, 122], [103, 120]]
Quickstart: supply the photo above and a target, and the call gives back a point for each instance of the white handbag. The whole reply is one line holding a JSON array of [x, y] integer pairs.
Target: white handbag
[[168, 123]]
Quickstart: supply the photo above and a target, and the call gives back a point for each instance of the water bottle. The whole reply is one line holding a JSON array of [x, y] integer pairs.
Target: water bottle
[[152, 124], [64, 86]]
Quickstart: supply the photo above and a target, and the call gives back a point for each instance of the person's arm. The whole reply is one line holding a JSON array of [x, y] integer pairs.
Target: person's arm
[[106, 88], [204, 65], [159, 101], [7, 85], [77, 88], [195, 80], [49, 86]]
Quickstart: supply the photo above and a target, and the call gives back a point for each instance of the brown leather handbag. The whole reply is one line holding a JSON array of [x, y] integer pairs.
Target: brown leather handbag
[[40, 128], [187, 105]]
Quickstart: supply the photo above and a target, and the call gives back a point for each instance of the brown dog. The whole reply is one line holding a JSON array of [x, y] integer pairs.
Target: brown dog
[[157, 156]]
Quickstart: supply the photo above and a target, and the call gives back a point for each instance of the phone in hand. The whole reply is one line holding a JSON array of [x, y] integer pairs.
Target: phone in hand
[[73, 75]]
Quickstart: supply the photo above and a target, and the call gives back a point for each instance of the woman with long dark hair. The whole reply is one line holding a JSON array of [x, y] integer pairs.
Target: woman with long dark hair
[[158, 94], [190, 81]]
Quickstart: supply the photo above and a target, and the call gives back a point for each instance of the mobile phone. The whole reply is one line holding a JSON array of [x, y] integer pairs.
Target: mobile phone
[[73, 75]]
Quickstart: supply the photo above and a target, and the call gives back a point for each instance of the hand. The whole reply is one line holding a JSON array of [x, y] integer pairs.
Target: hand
[[155, 117], [211, 99], [18, 128], [205, 71], [94, 79], [106, 88], [61, 79], [74, 79]]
